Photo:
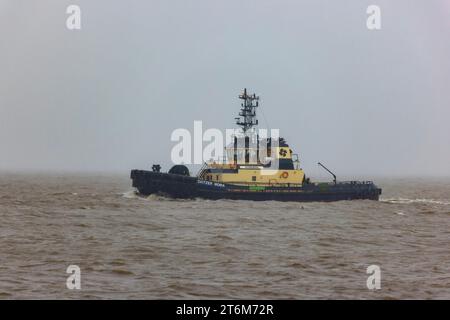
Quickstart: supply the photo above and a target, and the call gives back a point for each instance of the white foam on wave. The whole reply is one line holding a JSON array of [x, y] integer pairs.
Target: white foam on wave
[[156, 197], [408, 201], [132, 194]]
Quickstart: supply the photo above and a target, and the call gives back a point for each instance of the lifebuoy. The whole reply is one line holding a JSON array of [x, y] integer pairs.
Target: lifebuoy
[[285, 174]]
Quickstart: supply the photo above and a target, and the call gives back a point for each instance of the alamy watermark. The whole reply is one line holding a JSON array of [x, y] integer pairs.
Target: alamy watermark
[[374, 280], [73, 21], [373, 21], [74, 280], [214, 146]]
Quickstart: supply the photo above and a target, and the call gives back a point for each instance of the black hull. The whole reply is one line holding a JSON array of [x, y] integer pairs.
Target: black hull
[[184, 187]]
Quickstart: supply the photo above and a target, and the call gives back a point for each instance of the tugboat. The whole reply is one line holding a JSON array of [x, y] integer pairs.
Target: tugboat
[[268, 172]]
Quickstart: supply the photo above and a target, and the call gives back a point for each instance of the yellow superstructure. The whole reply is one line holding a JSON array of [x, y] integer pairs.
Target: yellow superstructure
[[258, 174]]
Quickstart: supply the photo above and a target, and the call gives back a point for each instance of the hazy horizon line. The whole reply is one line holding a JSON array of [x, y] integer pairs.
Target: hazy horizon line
[[76, 172]]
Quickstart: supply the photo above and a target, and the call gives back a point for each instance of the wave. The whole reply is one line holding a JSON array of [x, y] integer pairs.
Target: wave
[[132, 194], [408, 201], [157, 197]]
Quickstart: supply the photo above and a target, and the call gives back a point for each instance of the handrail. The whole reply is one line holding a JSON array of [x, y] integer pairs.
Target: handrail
[[201, 171], [255, 183], [344, 182]]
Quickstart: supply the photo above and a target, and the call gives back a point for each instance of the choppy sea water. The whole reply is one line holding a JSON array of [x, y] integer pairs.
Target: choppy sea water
[[146, 248]]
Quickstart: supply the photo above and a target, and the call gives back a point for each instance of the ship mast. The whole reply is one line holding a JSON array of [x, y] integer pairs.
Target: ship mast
[[247, 115]]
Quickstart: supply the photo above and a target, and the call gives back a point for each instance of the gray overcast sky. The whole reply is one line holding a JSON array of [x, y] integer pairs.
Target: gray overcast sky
[[108, 96]]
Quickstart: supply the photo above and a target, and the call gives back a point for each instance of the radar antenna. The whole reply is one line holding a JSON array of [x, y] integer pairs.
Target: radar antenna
[[248, 111]]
